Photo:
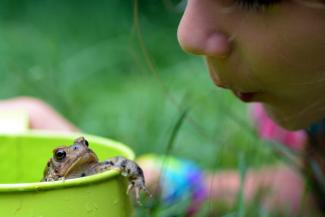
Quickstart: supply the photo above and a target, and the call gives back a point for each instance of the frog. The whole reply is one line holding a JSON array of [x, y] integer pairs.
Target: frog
[[78, 160]]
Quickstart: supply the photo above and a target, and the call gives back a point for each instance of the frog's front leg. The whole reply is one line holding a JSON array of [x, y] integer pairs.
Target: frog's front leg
[[130, 170]]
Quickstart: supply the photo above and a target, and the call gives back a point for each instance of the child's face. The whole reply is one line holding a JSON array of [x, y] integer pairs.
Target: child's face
[[275, 56]]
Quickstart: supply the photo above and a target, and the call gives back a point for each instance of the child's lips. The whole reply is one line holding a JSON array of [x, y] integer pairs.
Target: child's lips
[[246, 96]]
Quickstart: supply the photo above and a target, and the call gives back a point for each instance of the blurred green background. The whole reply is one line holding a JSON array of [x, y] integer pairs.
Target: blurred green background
[[115, 69]]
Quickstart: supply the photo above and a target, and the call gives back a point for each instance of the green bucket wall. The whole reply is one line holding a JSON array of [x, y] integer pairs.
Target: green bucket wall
[[22, 160]]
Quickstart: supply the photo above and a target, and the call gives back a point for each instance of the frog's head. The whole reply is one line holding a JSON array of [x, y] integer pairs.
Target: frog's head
[[67, 159]]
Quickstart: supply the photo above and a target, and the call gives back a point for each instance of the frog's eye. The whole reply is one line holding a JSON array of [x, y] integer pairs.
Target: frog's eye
[[60, 154], [86, 143]]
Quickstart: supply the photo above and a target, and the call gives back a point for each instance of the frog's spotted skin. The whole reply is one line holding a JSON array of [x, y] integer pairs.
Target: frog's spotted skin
[[78, 160]]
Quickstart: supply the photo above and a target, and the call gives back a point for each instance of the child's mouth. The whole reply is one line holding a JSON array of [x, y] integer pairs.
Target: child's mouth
[[246, 96]]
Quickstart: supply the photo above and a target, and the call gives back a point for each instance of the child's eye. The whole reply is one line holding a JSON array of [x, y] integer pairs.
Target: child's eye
[[256, 4]]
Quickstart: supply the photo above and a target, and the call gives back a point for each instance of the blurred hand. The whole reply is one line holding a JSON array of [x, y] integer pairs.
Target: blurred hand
[[40, 114]]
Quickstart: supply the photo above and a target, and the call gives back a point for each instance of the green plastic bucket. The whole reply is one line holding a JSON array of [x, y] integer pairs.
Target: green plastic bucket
[[23, 158]]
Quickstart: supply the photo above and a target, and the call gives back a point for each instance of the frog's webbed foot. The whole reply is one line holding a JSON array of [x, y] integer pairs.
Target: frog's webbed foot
[[133, 172], [137, 186]]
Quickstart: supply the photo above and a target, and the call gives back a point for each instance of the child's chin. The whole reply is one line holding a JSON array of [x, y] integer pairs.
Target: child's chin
[[288, 121], [293, 125]]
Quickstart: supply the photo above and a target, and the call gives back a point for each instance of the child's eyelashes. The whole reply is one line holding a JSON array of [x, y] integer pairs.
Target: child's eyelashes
[[255, 4]]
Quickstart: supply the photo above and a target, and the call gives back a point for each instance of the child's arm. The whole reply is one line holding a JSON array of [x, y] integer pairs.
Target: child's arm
[[278, 188], [41, 115]]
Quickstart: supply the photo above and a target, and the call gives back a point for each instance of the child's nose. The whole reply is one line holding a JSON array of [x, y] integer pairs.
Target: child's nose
[[200, 32]]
